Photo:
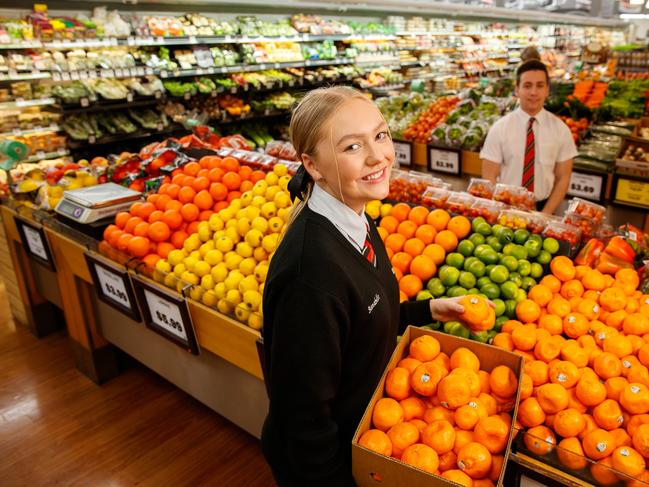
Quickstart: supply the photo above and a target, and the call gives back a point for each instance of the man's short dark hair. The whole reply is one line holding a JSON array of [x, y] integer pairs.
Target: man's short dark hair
[[531, 65]]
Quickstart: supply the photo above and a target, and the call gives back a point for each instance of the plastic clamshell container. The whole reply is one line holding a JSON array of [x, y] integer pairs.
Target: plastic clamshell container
[[586, 209], [515, 196], [481, 188], [459, 203], [435, 197], [588, 226], [512, 218], [487, 209], [568, 236]]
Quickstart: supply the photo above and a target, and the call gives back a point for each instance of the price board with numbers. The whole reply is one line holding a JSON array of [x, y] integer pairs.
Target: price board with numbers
[[630, 192], [113, 285], [35, 242], [590, 186], [166, 313], [444, 160], [403, 152]]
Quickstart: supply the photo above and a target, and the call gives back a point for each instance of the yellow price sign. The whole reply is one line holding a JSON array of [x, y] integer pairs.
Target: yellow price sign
[[632, 192]]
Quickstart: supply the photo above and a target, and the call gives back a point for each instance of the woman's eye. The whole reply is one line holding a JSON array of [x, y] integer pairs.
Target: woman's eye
[[382, 135], [352, 147]]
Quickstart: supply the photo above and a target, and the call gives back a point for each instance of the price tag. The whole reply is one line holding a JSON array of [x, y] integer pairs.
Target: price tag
[[224, 69], [129, 96], [176, 72], [83, 74], [92, 74], [119, 73], [210, 71], [159, 127], [233, 89], [74, 75], [160, 40], [60, 151], [65, 76], [16, 132], [40, 155], [113, 285], [84, 102], [130, 41], [148, 71], [228, 38], [113, 41], [291, 83], [262, 66], [200, 71], [35, 242], [164, 74], [158, 94], [587, 186], [140, 71], [187, 95], [632, 192], [444, 160], [92, 139], [192, 40]]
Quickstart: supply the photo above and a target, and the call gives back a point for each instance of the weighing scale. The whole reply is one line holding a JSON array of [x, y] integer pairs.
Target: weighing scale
[[94, 203]]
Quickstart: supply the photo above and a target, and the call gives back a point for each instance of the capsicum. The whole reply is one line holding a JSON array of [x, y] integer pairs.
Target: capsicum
[[610, 264], [620, 248], [590, 252]]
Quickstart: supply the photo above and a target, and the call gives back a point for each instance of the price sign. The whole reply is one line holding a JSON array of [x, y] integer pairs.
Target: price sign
[[113, 285], [166, 313], [40, 155], [192, 40], [587, 186], [35, 242], [632, 192], [403, 152], [129, 97], [187, 95], [444, 160], [158, 94], [148, 71], [92, 139], [84, 102]]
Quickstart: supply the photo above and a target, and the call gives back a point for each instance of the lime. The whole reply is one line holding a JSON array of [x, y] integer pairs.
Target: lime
[[457, 329], [488, 268], [520, 295], [477, 268], [506, 235], [533, 248], [477, 239], [435, 325], [423, 295], [519, 252], [426, 327], [496, 228], [515, 277], [537, 270], [483, 229], [494, 243], [491, 290], [500, 306], [492, 334], [456, 291], [468, 261], [466, 280], [499, 274], [509, 289], [544, 257], [510, 308], [477, 221], [490, 257], [520, 236], [524, 268], [551, 245], [474, 290], [507, 249], [510, 262], [455, 259], [536, 238], [528, 283], [482, 281], [480, 336], [449, 275], [466, 248], [436, 287], [480, 249], [500, 321]]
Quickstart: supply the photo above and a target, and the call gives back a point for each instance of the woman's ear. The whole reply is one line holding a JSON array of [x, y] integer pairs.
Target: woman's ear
[[309, 165]]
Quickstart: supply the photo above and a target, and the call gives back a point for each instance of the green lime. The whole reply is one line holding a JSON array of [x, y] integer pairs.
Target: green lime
[[500, 321], [496, 228], [536, 238], [544, 257], [480, 336], [510, 262], [508, 248], [426, 327], [457, 329], [474, 290], [449, 275], [492, 334], [506, 235], [519, 252], [466, 280], [466, 248], [537, 270], [494, 243], [520, 236], [515, 277], [483, 229], [488, 268], [482, 281], [423, 295], [455, 259], [509, 289], [436, 325], [520, 295], [528, 283], [499, 274], [436, 287], [477, 239], [510, 308], [477, 221], [477, 268], [481, 249], [456, 291], [489, 257], [533, 248], [524, 268], [551, 245], [492, 291], [500, 306]]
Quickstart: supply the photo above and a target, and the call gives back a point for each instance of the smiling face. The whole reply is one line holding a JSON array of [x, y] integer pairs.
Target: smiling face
[[357, 138], [532, 90]]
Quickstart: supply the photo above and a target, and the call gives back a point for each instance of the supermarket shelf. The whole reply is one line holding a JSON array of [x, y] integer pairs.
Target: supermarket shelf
[[20, 133], [116, 138], [24, 76], [109, 105], [40, 156], [252, 116], [27, 103], [22, 45]]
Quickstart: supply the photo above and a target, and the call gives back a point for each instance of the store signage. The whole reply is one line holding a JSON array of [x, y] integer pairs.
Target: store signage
[[403, 151], [113, 285], [35, 242], [632, 192], [166, 313], [587, 186], [444, 160]]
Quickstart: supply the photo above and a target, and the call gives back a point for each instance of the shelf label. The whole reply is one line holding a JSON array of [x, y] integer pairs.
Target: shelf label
[[84, 102], [74, 75], [61, 151], [35, 242], [129, 96], [92, 74], [164, 74], [158, 94], [444, 160], [140, 71], [192, 40], [92, 139], [65, 76], [40, 155], [403, 152], [148, 71], [83, 74], [113, 285], [587, 186], [632, 192]]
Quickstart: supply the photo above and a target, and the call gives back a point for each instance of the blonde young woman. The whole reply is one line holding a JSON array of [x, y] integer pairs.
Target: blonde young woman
[[331, 302]]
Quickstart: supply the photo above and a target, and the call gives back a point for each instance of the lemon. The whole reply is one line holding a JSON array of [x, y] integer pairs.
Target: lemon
[[233, 234], [179, 269], [282, 200], [386, 209], [243, 225], [233, 280], [224, 306], [271, 192], [247, 266], [269, 210], [190, 278], [213, 257], [258, 202], [224, 244], [252, 299], [202, 268], [246, 199], [283, 182], [170, 280], [255, 321], [275, 224], [205, 248], [209, 299], [261, 224], [254, 237], [190, 262], [232, 260], [242, 313], [269, 242], [220, 290], [280, 170], [248, 283], [233, 297], [259, 189], [207, 282], [272, 179], [219, 272], [244, 249], [163, 266], [252, 212], [261, 271], [216, 223], [192, 243], [260, 254], [196, 293]]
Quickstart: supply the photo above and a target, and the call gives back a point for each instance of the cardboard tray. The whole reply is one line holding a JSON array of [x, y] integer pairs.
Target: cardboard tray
[[371, 469]]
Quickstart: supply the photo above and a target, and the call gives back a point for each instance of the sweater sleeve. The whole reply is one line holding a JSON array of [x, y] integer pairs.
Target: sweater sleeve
[[304, 374], [415, 313]]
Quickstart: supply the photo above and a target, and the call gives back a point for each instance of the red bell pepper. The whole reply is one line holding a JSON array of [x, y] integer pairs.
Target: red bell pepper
[[609, 264], [620, 248], [590, 252]]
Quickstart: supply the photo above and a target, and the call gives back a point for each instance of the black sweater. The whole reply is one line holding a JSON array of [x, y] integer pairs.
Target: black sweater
[[330, 325]]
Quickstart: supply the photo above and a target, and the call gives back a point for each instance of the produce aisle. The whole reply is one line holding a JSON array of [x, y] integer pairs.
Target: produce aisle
[[146, 169]]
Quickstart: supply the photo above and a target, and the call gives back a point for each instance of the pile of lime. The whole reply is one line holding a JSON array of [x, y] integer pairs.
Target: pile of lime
[[496, 262]]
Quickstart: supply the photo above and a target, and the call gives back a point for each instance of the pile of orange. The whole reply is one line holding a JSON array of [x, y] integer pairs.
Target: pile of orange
[[444, 414], [584, 337], [151, 229], [417, 241]]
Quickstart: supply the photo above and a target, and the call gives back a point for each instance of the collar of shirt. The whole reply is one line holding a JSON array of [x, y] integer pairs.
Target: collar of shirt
[[349, 223], [525, 117]]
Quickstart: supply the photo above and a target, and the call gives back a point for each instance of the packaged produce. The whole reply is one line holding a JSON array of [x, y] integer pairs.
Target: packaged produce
[[567, 235], [516, 196], [435, 197], [587, 225], [482, 188], [587, 209], [459, 203], [487, 209], [512, 218], [409, 186]]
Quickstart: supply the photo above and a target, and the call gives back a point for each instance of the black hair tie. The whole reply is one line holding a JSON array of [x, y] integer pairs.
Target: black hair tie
[[297, 186]]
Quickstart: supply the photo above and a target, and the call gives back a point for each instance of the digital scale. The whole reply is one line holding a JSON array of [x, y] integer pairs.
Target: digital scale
[[94, 203]]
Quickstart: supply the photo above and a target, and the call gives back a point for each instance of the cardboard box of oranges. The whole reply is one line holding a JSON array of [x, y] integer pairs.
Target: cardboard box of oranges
[[442, 412]]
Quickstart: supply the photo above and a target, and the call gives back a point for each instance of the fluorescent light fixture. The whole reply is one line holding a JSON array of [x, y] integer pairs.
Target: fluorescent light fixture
[[636, 2], [634, 16]]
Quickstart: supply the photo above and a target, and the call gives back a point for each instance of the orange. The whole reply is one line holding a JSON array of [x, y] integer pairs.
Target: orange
[[552, 283], [607, 365], [460, 226], [571, 454], [409, 363], [407, 229], [569, 422], [540, 294], [143, 210], [540, 440], [635, 324], [464, 358], [528, 311], [524, 337], [590, 392], [602, 472], [474, 460], [594, 280], [590, 426], [572, 352], [423, 267], [413, 408], [530, 413], [395, 241], [643, 355], [400, 211], [231, 180], [402, 435], [440, 436], [436, 252], [401, 261], [637, 343], [589, 308], [571, 289], [496, 467], [443, 360], [552, 323], [191, 168], [438, 219], [613, 299], [389, 222], [489, 403], [604, 334], [453, 392], [627, 277], [447, 240], [526, 387], [471, 379], [377, 441], [447, 461], [640, 439], [164, 248], [510, 325], [616, 319], [608, 415], [122, 218], [467, 416], [123, 240], [156, 216], [575, 325], [159, 231], [598, 444], [201, 183], [618, 345], [462, 437], [562, 268], [420, 424], [635, 398], [186, 194], [387, 412], [614, 387], [638, 373], [138, 246], [504, 341], [173, 219], [189, 212], [422, 457], [437, 413], [418, 215], [426, 233], [558, 306], [397, 383], [564, 373], [622, 438], [552, 398], [424, 348], [493, 433], [218, 191], [484, 377], [426, 378], [503, 382], [477, 314], [538, 372], [459, 477], [628, 461]]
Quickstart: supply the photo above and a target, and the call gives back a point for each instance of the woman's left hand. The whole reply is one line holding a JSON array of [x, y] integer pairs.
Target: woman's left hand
[[446, 309]]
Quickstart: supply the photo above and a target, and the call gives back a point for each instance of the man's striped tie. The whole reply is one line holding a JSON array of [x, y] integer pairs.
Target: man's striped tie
[[528, 165]]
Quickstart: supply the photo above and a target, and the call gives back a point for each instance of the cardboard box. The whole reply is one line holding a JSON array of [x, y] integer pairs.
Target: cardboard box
[[368, 467], [643, 123]]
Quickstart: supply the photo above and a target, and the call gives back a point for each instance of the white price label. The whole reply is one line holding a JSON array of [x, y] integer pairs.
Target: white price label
[[444, 161], [158, 94], [164, 74], [112, 286], [83, 75], [165, 315], [84, 102], [187, 95], [40, 155], [192, 40], [160, 40], [74, 75], [130, 41], [65, 76], [35, 242], [129, 97], [61, 151], [139, 71], [148, 71], [92, 139], [586, 185], [92, 74]]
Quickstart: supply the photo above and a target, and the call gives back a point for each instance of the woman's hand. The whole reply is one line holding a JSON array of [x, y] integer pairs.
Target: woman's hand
[[449, 309]]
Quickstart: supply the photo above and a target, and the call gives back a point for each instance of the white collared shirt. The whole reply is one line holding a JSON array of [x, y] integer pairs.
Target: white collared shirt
[[347, 221], [505, 145]]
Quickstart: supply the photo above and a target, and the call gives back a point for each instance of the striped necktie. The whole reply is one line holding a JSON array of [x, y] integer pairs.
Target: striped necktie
[[368, 249], [528, 162]]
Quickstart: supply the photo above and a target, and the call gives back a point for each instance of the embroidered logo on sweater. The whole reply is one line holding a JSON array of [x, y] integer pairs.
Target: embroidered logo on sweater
[[377, 298]]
